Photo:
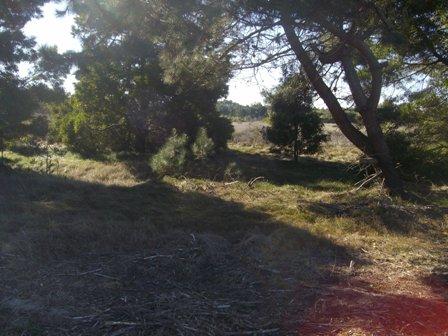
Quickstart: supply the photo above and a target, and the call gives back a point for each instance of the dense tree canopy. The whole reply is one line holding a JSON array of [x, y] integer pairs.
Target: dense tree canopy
[[417, 29], [14, 45], [138, 82], [16, 103], [23, 101]]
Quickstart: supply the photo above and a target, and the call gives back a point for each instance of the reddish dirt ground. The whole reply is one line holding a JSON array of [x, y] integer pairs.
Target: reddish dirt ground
[[359, 308]]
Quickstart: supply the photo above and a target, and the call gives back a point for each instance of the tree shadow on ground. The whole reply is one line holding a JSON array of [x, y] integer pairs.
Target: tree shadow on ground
[[85, 258], [309, 172], [28, 150], [81, 258], [378, 213]]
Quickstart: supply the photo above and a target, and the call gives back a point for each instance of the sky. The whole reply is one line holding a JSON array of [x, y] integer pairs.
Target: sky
[[245, 88]]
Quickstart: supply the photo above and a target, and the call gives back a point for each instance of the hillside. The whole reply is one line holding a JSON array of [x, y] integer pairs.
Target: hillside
[[251, 244]]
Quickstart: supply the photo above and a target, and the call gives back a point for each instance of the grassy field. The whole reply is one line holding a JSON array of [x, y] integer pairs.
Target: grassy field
[[245, 244]]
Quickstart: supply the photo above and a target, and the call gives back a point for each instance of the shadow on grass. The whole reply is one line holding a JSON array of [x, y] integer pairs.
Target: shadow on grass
[[379, 213], [28, 150], [86, 258], [309, 172], [34, 201]]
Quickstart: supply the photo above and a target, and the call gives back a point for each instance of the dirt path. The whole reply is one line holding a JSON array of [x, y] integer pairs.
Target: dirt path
[[357, 307]]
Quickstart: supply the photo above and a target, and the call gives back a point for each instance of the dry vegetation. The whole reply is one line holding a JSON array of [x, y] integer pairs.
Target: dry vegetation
[[95, 249]]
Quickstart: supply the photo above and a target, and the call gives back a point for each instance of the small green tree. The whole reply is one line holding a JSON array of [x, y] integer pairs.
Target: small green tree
[[172, 157], [203, 146], [294, 125]]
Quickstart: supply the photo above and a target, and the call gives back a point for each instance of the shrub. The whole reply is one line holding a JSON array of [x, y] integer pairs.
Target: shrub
[[47, 162], [78, 136], [414, 159], [172, 156], [300, 134], [74, 128], [416, 134], [401, 149], [203, 146], [38, 126]]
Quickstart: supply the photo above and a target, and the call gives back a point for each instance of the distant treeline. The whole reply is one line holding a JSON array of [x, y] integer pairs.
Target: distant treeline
[[326, 116], [238, 112]]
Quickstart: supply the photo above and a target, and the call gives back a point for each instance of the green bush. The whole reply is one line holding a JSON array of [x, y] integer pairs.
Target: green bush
[[232, 172], [38, 127], [203, 146], [401, 149], [416, 134], [78, 136], [414, 159], [172, 157], [74, 128]]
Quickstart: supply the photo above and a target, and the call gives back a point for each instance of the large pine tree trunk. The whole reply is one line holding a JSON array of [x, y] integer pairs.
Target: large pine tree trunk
[[374, 144], [140, 141], [2, 146], [380, 152], [296, 143]]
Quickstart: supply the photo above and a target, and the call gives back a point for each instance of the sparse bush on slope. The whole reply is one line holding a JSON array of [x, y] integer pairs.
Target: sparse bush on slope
[[203, 146], [172, 157]]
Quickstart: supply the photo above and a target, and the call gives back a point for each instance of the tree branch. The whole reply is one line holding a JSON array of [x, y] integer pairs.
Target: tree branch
[[365, 51], [354, 82], [339, 115]]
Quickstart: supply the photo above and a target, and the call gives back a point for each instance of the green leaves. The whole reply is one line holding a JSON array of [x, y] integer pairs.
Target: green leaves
[[51, 66]]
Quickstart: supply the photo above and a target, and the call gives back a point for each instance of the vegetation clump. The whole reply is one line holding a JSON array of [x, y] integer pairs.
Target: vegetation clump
[[416, 134], [172, 157], [203, 146]]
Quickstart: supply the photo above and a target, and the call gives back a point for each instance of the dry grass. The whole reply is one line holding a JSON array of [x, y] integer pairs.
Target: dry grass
[[249, 133], [95, 248]]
